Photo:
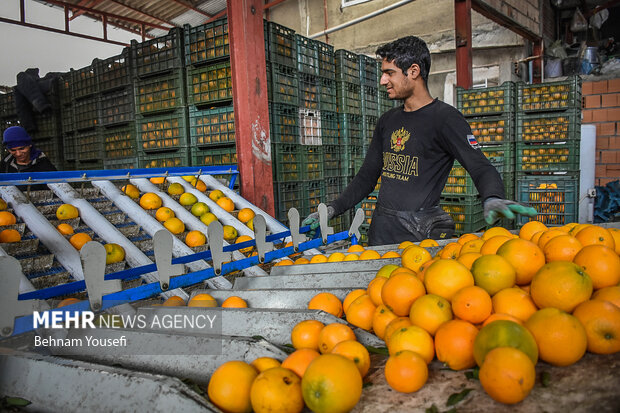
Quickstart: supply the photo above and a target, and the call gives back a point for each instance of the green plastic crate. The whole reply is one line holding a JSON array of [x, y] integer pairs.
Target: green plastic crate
[[287, 162], [328, 100], [307, 55], [52, 148], [313, 193], [284, 123], [368, 205], [284, 84], [368, 71], [214, 156], [162, 132], [547, 157], [327, 60], [491, 130], [494, 100], [309, 91], [209, 84], [312, 162], [86, 113], [67, 123], [161, 93], [351, 129], [549, 127], [155, 56], [171, 159], [347, 66], [7, 105], [555, 197], [48, 125], [117, 107], [349, 96], [89, 165], [282, 47], [206, 42], [370, 101], [84, 82], [89, 146], [121, 163], [119, 143], [210, 127], [370, 122], [69, 147], [466, 211], [114, 72], [329, 128], [287, 195], [333, 188], [65, 93], [331, 161], [310, 127], [352, 159], [551, 96]]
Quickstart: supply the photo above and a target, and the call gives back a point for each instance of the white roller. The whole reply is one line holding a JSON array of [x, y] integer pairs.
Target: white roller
[[150, 225], [189, 219], [58, 245], [111, 234]]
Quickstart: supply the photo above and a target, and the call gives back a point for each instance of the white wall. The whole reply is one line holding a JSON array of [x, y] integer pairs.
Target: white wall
[[23, 47]]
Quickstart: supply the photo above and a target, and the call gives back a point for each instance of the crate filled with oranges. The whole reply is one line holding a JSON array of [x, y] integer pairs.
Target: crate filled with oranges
[[491, 130], [550, 96], [166, 132], [206, 42], [466, 211], [494, 100], [555, 197]]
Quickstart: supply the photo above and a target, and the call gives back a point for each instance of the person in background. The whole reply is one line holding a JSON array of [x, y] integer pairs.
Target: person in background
[[413, 149], [23, 155]]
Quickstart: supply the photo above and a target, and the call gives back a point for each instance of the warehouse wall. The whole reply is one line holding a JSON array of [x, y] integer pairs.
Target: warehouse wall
[[601, 107]]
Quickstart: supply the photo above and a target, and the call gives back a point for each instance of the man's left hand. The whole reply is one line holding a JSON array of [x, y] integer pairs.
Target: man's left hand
[[495, 207]]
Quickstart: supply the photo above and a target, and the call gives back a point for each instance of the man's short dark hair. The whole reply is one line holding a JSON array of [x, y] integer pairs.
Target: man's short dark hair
[[406, 51]]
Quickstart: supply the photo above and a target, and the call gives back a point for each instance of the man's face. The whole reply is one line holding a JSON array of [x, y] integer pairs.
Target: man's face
[[397, 84], [21, 154]]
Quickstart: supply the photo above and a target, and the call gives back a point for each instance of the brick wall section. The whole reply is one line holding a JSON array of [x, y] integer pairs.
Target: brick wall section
[[524, 12], [601, 107]]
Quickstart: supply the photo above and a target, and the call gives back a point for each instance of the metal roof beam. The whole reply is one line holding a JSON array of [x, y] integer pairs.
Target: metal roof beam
[[190, 7], [85, 3], [128, 7], [503, 20]]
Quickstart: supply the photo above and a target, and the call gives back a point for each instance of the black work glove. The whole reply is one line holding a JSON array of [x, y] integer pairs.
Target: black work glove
[[313, 220], [494, 207]]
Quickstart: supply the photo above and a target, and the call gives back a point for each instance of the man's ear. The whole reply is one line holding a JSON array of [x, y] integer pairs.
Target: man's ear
[[414, 70]]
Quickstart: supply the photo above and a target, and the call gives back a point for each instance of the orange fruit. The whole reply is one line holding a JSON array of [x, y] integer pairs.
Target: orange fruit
[[114, 253], [390, 254], [333, 334], [361, 311], [415, 339], [428, 243], [187, 199], [150, 201], [493, 273], [277, 389], [67, 301], [199, 209], [547, 236], [332, 384], [525, 256], [496, 231], [466, 237], [202, 300], [386, 271], [199, 185], [536, 237], [601, 263], [429, 312], [305, 334], [175, 189], [356, 248], [561, 338], [301, 261], [65, 229], [245, 214], [356, 352], [400, 291], [414, 256], [576, 228], [215, 195], [507, 375], [78, 240], [404, 245], [514, 302], [163, 214], [234, 302], [230, 233], [335, 257], [370, 255], [174, 301], [502, 316], [503, 333], [351, 257], [472, 246], [374, 290], [468, 259], [283, 262], [562, 248], [299, 360], [352, 296], [611, 294], [395, 325], [131, 191], [3, 204], [174, 225], [208, 218], [562, 285], [327, 302], [615, 233], [492, 244], [264, 363], [450, 251], [454, 344], [530, 228], [595, 235], [406, 371], [423, 268], [230, 386], [381, 319], [157, 180], [195, 238], [226, 204], [446, 277], [472, 304], [601, 319], [65, 211], [10, 235], [317, 259]]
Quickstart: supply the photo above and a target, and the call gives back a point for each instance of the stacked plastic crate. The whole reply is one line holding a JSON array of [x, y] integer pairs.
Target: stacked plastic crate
[[209, 94], [490, 112], [548, 134], [117, 111], [67, 122], [85, 103], [8, 115], [160, 103]]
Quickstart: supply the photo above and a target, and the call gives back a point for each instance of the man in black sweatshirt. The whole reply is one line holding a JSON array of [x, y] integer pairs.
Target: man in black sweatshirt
[[412, 150], [23, 155]]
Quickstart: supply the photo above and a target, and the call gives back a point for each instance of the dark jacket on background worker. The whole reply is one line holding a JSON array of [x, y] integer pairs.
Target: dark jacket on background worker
[[32, 95], [23, 156]]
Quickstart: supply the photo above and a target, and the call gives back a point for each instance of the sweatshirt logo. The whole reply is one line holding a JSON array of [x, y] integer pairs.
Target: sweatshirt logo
[[473, 142], [398, 139]]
